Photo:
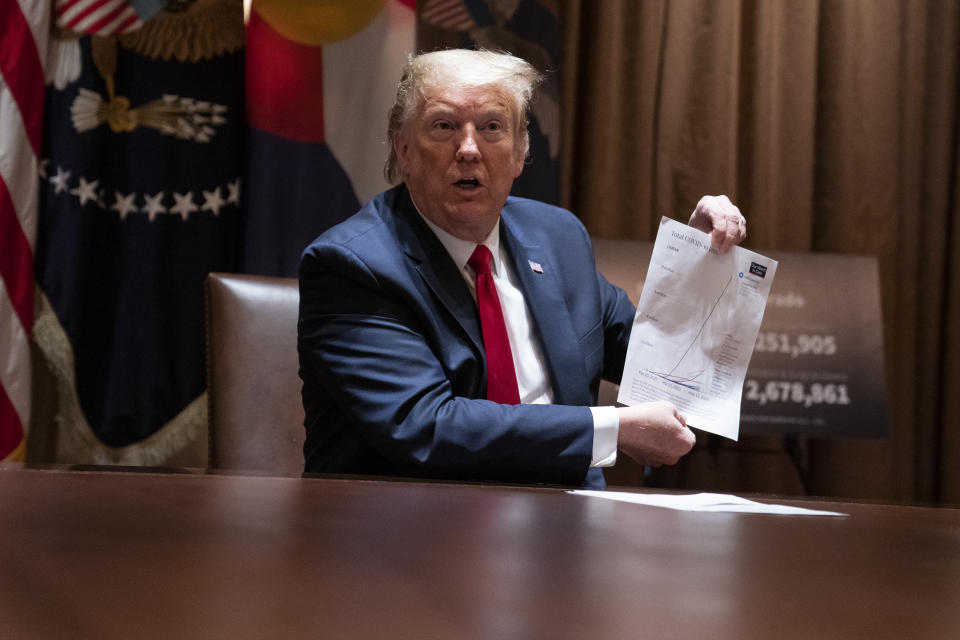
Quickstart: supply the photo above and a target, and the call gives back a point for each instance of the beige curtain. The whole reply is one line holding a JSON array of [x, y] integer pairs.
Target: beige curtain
[[834, 126]]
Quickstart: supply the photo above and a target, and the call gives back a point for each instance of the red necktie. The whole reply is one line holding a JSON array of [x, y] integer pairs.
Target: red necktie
[[501, 377]]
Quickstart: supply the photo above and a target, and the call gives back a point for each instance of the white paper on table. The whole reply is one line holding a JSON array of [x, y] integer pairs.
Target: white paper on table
[[719, 502], [695, 328]]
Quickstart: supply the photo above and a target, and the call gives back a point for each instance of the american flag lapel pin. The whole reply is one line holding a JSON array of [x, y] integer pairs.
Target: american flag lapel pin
[[535, 266]]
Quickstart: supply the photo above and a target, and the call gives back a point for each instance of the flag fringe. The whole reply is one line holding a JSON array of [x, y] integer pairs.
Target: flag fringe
[[75, 441]]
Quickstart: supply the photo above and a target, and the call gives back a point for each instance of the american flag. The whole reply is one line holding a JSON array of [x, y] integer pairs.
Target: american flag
[[22, 55], [447, 14], [104, 17]]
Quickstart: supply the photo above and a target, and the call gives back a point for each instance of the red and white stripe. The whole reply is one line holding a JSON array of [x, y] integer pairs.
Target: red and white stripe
[[22, 52], [97, 17], [447, 14]]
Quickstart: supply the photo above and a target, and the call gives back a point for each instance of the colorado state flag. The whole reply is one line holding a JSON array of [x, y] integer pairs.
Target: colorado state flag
[[321, 77]]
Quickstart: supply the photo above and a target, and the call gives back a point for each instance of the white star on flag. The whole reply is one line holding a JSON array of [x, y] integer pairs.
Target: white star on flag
[[152, 205], [233, 197], [123, 204], [60, 181], [185, 205], [212, 201], [86, 191]]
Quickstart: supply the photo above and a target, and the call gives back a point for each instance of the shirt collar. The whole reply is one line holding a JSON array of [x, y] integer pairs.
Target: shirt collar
[[461, 250]]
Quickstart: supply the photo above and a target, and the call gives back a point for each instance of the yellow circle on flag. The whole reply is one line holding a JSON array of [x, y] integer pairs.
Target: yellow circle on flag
[[316, 22]]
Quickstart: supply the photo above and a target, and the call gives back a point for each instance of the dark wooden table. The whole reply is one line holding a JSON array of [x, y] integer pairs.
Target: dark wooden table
[[150, 555]]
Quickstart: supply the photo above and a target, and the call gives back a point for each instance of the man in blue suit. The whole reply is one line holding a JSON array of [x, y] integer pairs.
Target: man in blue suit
[[450, 331]]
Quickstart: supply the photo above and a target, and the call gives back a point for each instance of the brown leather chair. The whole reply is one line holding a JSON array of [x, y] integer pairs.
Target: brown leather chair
[[253, 390], [624, 263]]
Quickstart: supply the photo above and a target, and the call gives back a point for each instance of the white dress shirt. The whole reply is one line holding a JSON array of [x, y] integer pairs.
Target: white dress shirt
[[528, 361]]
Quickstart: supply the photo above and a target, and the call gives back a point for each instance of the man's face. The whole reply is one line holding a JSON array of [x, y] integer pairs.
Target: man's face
[[459, 154]]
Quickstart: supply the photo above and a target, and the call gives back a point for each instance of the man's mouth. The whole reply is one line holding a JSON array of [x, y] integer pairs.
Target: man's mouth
[[467, 183]]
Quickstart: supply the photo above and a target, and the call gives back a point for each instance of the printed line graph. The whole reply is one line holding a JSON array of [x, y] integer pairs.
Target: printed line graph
[[689, 379], [690, 382]]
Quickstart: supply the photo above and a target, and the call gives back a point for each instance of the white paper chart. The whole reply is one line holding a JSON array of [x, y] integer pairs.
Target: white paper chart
[[695, 328]]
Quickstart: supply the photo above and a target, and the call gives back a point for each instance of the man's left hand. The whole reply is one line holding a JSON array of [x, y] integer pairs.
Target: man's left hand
[[720, 218]]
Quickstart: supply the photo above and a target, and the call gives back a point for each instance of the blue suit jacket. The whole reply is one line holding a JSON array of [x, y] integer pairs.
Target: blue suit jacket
[[392, 358]]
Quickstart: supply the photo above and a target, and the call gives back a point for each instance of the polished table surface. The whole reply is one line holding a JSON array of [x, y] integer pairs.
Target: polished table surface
[[94, 554]]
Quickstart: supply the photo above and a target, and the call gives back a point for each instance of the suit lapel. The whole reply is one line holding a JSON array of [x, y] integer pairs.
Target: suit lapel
[[542, 293], [441, 275]]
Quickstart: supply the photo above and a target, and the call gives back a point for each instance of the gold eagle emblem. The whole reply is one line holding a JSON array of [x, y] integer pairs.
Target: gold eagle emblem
[[185, 31]]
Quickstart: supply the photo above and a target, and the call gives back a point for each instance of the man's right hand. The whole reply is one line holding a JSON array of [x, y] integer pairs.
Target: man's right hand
[[654, 433]]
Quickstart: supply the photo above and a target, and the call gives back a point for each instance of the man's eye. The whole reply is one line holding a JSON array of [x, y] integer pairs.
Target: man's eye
[[493, 126], [444, 126]]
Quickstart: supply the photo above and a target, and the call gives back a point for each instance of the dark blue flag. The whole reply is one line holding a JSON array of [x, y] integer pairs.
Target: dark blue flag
[[140, 199]]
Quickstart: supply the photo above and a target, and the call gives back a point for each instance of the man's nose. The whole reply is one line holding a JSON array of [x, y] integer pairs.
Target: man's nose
[[467, 149]]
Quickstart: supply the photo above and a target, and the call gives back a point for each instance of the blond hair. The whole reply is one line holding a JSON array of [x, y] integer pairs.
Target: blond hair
[[459, 68]]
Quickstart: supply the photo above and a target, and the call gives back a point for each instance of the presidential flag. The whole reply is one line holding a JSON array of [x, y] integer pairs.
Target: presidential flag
[[23, 47], [321, 78], [139, 200]]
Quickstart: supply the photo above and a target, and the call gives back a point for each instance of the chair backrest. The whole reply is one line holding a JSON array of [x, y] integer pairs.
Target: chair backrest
[[624, 263], [253, 389]]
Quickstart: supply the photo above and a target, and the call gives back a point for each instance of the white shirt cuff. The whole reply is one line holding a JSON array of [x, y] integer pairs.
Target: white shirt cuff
[[606, 428]]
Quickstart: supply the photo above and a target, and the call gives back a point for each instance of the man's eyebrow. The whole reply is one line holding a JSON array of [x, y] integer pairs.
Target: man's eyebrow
[[499, 111], [495, 111], [438, 111]]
